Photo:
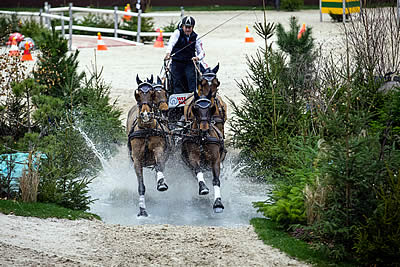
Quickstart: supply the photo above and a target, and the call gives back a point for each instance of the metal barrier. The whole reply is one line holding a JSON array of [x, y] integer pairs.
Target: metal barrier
[[46, 14]]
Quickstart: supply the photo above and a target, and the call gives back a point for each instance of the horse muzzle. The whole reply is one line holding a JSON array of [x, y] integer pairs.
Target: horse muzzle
[[146, 116], [204, 126]]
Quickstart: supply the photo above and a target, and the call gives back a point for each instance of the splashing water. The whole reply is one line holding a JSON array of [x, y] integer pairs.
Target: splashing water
[[92, 146], [116, 191]]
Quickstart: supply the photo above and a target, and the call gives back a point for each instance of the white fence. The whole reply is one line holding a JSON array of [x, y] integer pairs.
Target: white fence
[[46, 14]]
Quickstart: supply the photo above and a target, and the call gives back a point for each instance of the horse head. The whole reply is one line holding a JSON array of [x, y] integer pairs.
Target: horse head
[[208, 80], [203, 110], [160, 97], [144, 98]]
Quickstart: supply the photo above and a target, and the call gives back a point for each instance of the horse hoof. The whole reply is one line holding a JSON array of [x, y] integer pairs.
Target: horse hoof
[[218, 207], [218, 210], [161, 185], [203, 189], [142, 212]]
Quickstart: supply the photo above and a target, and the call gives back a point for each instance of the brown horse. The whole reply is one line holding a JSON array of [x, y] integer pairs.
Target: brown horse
[[204, 146], [160, 99], [148, 141], [209, 83]]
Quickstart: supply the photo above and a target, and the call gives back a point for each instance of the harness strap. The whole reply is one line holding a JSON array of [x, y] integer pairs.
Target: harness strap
[[189, 108], [221, 110]]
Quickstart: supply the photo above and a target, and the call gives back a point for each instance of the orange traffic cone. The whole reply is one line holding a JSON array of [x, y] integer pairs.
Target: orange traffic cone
[[100, 43], [127, 9], [14, 51], [159, 41], [248, 38], [302, 30], [27, 55]]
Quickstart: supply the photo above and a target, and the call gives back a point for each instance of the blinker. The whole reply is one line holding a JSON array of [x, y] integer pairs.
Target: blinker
[[145, 87], [209, 77], [158, 87], [203, 103]]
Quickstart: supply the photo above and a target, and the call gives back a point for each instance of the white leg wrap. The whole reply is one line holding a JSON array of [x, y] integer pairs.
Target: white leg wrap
[[200, 177], [217, 192], [141, 202], [160, 175]]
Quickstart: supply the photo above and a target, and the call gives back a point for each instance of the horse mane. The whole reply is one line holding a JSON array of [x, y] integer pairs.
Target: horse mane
[[187, 110]]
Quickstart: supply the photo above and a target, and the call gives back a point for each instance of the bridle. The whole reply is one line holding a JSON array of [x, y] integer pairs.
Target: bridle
[[209, 77], [203, 103], [146, 88], [160, 88]]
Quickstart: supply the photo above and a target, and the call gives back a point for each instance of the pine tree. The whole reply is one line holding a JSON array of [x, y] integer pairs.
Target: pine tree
[[301, 57]]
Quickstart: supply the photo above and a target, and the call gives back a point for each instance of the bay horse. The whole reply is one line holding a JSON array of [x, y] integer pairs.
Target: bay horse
[[203, 147], [148, 139], [160, 99], [208, 83]]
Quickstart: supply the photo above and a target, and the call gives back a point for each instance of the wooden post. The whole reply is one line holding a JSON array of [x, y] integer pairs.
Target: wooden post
[[320, 10], [48, 12], [115, 22], [46, 9], [40, 17], [344, 11], [62, 26], [70, 27], [398, 12], [139, 21]]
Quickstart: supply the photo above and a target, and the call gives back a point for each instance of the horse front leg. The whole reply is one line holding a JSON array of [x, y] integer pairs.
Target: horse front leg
[[193, 152], [160, 158], [216, 169], [141, 188]]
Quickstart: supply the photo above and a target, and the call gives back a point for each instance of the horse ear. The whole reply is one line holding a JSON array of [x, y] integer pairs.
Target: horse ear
[[150, 80], [137, 96], [215, 70], [202, 69], [138, 80], [159, 80]]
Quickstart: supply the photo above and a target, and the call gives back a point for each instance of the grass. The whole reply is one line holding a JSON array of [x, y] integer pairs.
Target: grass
[[43, 210], [271, 235]]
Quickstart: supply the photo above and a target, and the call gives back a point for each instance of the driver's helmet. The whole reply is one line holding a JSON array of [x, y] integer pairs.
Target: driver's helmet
[[188, 21]]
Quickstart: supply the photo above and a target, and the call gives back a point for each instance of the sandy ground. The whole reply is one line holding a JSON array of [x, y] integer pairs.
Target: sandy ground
[[51, 242]]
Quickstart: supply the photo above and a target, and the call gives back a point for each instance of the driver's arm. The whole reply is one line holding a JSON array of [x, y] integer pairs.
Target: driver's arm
[[199, 50], [171, 43]]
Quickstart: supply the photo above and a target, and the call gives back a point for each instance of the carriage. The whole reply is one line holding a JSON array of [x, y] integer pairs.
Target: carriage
[[191, 124]]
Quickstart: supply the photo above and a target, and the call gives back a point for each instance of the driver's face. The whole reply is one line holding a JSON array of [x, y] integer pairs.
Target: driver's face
[[187, 29]]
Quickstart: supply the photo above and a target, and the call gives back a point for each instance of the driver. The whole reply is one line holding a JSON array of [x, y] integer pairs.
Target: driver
[[185, 48]]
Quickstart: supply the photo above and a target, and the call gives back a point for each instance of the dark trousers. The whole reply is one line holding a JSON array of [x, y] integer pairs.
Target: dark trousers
[[183, 76]]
